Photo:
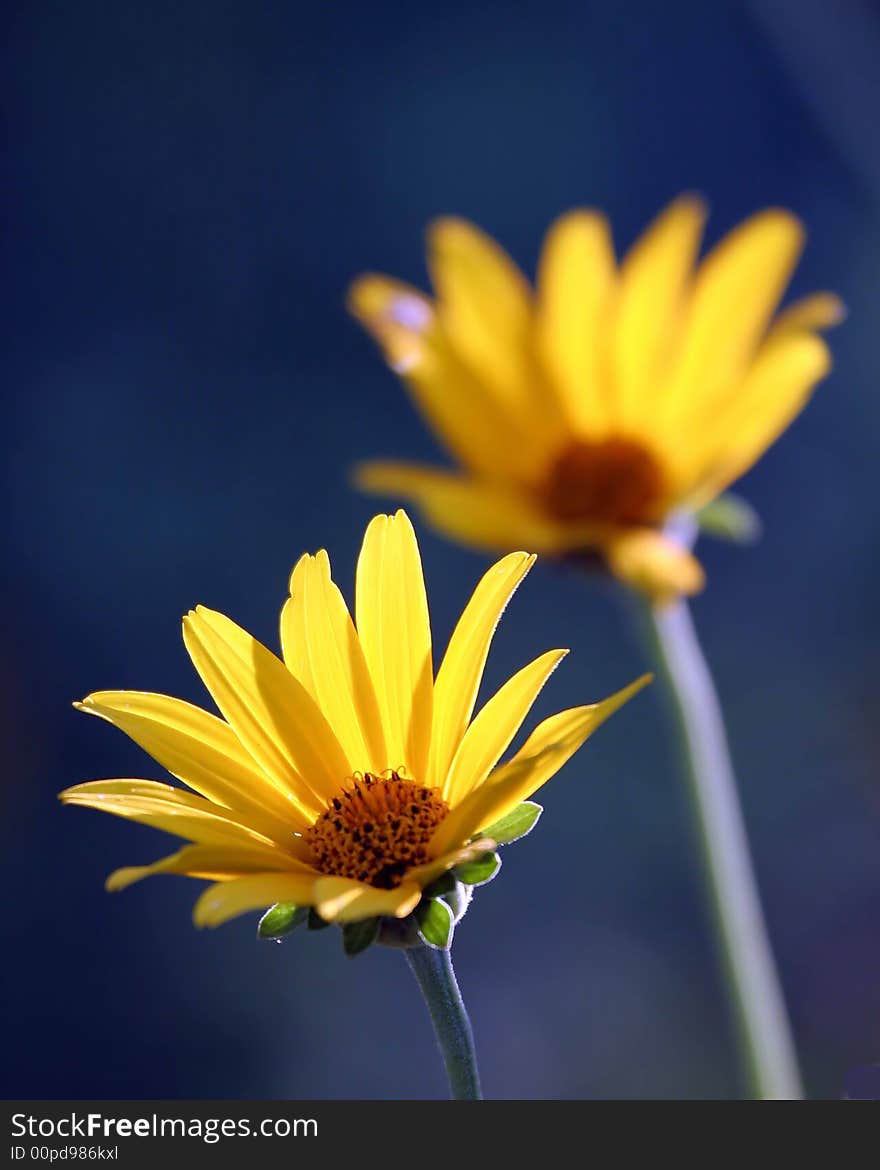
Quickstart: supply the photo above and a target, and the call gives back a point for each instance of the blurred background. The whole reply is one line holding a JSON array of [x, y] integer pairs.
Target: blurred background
[[192, 187]]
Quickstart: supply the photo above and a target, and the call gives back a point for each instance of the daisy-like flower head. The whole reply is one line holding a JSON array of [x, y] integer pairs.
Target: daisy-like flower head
[[344, 777], [587, 412]]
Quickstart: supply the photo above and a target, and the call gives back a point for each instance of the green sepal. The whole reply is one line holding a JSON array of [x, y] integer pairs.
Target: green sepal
[[357, 936], [515, 824], [480, 871], [281, 919], [730, 517], [435, 922], [444, 884], [315, 921]]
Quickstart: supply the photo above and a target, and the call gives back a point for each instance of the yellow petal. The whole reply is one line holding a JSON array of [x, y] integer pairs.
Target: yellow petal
[[202, 751], [294, 641], [340, 899], [461, 671], [648, 313], [423, 875], [810, 314], [549, 746], [771, 396], [489, 736], [272, 714], [475, 278], [736, 293], [395, 632], [211, 862], [322, 648], [473, 512], [182, 813], [484, 307], [467, 415], [576, 283], [227, 900], [655, 564], [397, 315]]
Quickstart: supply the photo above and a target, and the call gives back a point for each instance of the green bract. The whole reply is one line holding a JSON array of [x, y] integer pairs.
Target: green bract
[[435, 922], [281, 919], [357, 936], [477, 873], [730, 517], [517, 823]]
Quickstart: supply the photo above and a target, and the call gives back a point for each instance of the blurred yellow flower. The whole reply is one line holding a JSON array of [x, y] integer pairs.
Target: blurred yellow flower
[[346, 777], [588, 411]]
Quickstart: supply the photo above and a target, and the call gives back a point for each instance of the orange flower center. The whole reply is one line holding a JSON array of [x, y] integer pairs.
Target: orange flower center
[[376, 829], [611, 481]]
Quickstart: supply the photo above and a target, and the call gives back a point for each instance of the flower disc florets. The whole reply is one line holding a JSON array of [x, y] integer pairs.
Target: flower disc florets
[[376, 829]]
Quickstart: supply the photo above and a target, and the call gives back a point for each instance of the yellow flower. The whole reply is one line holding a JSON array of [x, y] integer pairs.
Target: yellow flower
[[346, 777], [588, 411]]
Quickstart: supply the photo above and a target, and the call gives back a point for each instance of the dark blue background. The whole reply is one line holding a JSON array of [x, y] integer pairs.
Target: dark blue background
[[192, 186]]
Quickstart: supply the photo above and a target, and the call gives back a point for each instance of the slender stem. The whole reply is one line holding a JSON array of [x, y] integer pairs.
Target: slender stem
[[435, 976], [752, 979]]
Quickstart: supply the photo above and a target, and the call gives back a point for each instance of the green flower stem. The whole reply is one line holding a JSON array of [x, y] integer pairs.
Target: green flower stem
[[436, 978], [752, 981]]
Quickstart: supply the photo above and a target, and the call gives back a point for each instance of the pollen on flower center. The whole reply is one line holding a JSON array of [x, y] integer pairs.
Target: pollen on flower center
[[610, 481], [376, 829]]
